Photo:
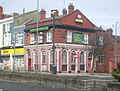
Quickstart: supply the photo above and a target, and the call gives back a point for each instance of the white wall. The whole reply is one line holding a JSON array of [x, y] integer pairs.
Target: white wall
[[3, 21]]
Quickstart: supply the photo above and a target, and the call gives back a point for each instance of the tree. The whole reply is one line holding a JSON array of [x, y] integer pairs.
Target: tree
[[97, 44]]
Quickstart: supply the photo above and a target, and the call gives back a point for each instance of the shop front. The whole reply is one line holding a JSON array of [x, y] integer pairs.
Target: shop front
[[13, 59]]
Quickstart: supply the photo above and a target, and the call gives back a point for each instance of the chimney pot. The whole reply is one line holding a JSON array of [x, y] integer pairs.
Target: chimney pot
[[64, 11], [70, 8]]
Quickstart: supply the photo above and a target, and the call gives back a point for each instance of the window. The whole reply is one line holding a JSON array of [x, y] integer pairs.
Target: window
[[36, 56], [49, 37], [51, 56], [85, 38], [90, 55], [7, 39], [29, 54], [101, 40], [40, 37], [43, 57], [32, 38], [64, 57], [19, 39], [101, 58], [7, 27], [72, 57], [82, 58], [69, 36]]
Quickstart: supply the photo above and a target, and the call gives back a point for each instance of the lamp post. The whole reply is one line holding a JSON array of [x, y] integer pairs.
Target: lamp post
[[36, 59], [116, 43], [14, 44], [53, 45]]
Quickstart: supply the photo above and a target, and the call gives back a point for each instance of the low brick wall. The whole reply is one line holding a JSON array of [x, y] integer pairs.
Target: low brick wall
[[56, 81]]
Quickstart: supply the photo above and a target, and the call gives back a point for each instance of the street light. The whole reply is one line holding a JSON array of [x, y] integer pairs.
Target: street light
[[36, 60], [14, 44], [116, 43], [53, 46]]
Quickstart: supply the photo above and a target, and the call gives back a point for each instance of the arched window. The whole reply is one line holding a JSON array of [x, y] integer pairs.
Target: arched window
[[82, 58], [64, 57], [51, 56], [90, 55], [72, 57], [43, 57], [29, 55], [36, 56]]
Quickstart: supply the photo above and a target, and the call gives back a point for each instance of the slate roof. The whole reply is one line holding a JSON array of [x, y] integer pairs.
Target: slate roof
[[118, 37], [24, 18]]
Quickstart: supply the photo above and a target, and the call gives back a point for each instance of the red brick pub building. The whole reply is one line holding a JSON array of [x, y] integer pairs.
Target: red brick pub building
[[71, 33]]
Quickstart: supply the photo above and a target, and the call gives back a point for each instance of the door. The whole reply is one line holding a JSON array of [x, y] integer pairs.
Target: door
[[29, 64]]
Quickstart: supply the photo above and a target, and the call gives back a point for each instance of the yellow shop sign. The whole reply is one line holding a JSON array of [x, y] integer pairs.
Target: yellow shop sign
[[18, 51]]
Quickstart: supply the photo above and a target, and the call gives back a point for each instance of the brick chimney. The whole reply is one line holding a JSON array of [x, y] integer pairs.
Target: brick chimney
[[109, 31], [42, 14], [64, 11], [1, 12], [70, 8]]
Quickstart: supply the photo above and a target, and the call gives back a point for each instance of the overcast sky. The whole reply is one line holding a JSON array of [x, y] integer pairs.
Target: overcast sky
[[103, 13]]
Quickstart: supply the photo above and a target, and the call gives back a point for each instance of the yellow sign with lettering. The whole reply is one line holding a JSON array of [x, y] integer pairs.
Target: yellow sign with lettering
[[18, 51]]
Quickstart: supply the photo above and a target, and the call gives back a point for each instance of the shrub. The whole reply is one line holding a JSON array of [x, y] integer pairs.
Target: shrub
[[116, 74]]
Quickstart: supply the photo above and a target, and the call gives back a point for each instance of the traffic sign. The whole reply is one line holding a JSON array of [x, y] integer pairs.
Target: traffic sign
[[75, 55]]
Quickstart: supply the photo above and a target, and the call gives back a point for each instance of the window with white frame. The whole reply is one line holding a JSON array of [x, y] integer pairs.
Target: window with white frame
[[82, 58], [43, 57], [32, 38], [101, 58], [7, 39], [51, 57], [72, 57], [85, 38], [40, 37], [49, 37], [101, 40], [20, 39], [7, 27], [64, 57], [69, 36], [36, 56]]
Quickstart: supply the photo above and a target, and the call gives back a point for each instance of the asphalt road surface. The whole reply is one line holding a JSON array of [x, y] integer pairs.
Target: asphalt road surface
[[12, 86]]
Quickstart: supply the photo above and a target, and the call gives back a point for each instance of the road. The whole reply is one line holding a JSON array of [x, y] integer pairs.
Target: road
[[13, 86]]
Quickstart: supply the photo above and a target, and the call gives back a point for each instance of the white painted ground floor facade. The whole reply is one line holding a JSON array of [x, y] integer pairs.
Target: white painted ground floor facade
[[64, 58]]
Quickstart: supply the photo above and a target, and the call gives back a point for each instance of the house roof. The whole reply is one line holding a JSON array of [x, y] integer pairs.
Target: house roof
[[116, 37], [24, 18], [60, 17]]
